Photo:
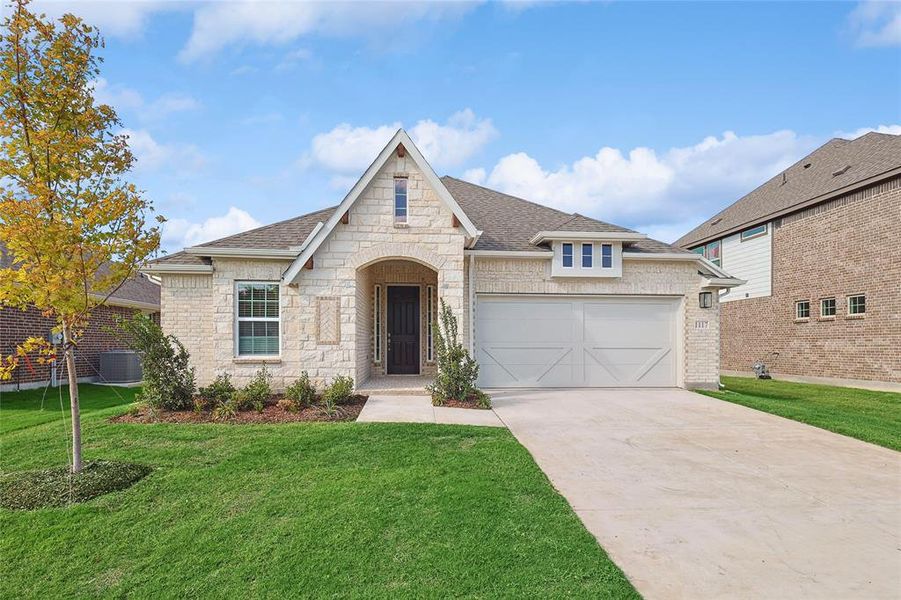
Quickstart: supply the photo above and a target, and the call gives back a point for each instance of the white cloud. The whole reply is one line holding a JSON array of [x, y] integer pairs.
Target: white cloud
[[181, 233], [183, 159], [218, 25], [349, 150], [850, 135], [122, 18], [662, 193], [476, 176], [126, 99], [876, 23]]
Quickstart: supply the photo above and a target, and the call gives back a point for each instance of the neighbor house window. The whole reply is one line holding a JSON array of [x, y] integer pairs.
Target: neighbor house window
[[567, 255], [257, 318], [713, 252], [607, 256], [377, 324], [702, 250], [587, 255], [802, 309], [400, 199], [827, 307], [430, 319], [753, 232], [857, 305]]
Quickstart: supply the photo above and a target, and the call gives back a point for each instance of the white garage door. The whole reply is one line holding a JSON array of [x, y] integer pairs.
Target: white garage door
[[576, 341]]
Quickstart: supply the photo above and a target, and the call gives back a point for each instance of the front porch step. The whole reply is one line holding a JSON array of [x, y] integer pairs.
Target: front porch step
[[396, 385]]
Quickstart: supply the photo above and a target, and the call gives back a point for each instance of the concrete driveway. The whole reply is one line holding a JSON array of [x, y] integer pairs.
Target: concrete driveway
[[698, 498]]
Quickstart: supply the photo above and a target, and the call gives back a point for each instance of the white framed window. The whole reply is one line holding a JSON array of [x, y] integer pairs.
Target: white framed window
[[430, 319], [827, 307], [257, 318], [587, 255], [377, 323], [753, 232], [607, 256], [400, 199], [713, 251], [802, 309], [567, 249], [857, 304]]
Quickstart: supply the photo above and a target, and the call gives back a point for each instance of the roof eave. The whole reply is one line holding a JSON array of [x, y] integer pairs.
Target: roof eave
[[264, 253], [615, 236]]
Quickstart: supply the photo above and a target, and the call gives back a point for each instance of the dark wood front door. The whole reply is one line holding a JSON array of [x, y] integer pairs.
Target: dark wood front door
[[403, 330]]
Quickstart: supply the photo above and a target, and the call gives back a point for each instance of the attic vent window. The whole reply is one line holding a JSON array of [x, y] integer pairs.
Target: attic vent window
[[715, 221], [807, 166], [841, 171]]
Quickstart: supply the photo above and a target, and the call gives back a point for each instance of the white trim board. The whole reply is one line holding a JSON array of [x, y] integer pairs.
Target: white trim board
[[400, 137]]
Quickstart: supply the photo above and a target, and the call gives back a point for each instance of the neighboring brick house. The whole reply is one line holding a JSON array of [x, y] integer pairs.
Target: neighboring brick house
[[139, 294], [817, 245], [542, 297]]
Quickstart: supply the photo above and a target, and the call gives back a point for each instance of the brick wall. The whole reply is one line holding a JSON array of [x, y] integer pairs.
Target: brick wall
[[18, 325], [849, 245]]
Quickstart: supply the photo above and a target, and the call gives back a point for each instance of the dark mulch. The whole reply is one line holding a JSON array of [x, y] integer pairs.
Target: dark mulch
[[468, 403], [28, 490], [348, 411]]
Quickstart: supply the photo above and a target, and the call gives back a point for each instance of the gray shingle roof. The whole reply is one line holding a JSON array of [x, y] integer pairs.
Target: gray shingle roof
[[820, 172], [507, 223]]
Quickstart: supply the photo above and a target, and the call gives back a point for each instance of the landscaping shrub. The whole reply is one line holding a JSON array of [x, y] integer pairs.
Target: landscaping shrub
[[301, 393], [225, 411], [457, 370], [168, 376], [339, 391], [27, 490], [482, 399], [256, 393], [288, 405], [221, 390]]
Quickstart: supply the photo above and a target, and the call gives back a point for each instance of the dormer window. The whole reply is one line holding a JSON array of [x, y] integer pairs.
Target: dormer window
[[607, 256], [400, 199], [587, 256], [567, 255]]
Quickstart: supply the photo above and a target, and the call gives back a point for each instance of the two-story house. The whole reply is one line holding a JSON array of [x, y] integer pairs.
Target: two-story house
[[818, 248]]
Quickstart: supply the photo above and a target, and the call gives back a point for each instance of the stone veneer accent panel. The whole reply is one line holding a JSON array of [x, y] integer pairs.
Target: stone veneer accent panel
[[700, 353], [842, 247]]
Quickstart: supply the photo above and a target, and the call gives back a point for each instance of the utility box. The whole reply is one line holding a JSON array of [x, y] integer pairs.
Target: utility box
[[120, 366]]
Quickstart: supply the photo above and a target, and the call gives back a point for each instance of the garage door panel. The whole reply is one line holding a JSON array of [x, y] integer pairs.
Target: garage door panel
[[580, 342]]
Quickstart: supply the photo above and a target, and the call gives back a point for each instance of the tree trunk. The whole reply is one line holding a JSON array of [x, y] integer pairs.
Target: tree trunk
[[69, 349]]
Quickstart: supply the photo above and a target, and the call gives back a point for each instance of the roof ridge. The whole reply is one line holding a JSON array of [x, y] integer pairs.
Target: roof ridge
[[544, 206], [264, 227]]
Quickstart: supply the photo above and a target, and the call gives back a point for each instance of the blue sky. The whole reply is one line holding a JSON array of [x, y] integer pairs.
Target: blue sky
[[649, 115]]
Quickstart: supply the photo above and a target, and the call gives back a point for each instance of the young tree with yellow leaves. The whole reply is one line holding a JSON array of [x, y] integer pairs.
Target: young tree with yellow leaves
[[75, 228]]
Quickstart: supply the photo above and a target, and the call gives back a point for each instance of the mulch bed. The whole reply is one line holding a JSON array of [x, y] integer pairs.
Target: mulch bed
[[468, 403], [348, 411]]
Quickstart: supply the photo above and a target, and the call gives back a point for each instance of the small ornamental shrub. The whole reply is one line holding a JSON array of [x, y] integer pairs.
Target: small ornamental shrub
[[302, 392], [221, 390], [457, 370], [339, 390], [287, 405], [256, 393], [482, 399], [168, 376], [225, 411], [28, 490]]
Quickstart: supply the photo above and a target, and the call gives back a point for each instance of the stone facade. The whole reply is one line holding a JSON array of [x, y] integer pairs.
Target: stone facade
[[700, 343], [842, 247], [200, 309]]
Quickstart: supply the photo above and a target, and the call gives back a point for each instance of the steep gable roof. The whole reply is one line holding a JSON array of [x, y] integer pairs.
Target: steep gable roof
[[837, 165]]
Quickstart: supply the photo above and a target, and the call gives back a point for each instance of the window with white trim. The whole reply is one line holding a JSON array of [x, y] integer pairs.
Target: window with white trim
[[377, 324], [257, 318], [753, 232], [713, 252], [567, 249], [400, 199], [607, 256], [587, 255], [857, 304], [430, 320], [802, 309], [827, 307]]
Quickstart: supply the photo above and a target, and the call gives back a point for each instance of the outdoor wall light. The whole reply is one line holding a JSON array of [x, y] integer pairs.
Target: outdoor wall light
[[705, 299]]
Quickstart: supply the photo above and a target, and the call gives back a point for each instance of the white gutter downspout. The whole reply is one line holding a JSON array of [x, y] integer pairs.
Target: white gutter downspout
[[472, 304]]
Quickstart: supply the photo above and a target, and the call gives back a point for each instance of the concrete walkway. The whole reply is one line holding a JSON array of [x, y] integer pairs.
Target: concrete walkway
[[419, 409], [694, 497]]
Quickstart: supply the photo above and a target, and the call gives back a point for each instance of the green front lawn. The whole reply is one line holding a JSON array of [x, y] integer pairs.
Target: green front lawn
[[869, 416], [346, 509]]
